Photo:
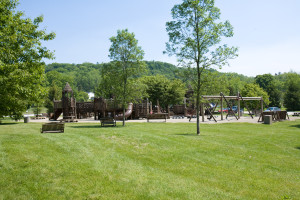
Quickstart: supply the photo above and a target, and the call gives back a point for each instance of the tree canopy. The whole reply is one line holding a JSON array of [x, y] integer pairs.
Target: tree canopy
[[253, 90], [166, 91], [267, 82], [292, 96], [21, 54]]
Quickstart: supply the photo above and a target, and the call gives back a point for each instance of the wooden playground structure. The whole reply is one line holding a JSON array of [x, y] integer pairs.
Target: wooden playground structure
[[101, 108]]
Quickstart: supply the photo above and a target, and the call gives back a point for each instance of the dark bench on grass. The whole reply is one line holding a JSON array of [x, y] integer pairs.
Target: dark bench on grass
[[157, 116], [53, 127], [107, 121]]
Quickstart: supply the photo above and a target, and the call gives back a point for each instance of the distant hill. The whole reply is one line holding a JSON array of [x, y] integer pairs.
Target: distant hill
[[154, 67], [86, 76], [169, 70]]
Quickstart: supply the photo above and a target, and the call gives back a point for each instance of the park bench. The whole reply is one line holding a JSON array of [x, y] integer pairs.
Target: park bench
[[157, 116], [109, 121], [53, 127]]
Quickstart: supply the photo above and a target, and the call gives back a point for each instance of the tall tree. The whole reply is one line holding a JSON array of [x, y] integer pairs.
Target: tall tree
[[21, 54], [292, 96], [111, 86], [194, 37], [267, 82], [128, 63]]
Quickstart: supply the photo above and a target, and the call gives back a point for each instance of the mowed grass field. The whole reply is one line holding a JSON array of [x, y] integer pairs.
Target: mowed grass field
[[151, 161]]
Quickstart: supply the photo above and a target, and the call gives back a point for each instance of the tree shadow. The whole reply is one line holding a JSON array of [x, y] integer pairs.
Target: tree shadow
[[13, 123], [295, 126], [297, 148], [190, 134], [94, 126]]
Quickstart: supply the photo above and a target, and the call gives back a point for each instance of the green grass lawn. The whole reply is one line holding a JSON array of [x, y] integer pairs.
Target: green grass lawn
[[151, 161]]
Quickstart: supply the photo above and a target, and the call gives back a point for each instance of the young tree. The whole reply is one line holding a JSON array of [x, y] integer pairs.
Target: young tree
[[194, 36], [21, 65], [111, 86], [127, 57]]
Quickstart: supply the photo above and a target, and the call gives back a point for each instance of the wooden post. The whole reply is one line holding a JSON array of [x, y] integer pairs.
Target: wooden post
[[239, 106], [202, 111]]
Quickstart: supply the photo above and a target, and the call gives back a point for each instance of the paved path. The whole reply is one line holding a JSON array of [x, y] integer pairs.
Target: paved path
[[185, 120]]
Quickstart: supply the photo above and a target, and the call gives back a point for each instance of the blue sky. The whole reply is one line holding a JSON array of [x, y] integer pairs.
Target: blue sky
[[267, 32]]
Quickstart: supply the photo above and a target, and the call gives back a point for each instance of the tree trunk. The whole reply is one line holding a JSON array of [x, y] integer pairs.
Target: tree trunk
[[123, 103], [198, 97], [198, 56], [197, 112], [124, 94], [123, 114]]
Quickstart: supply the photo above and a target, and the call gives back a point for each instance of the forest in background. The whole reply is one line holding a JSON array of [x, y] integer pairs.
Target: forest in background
[[86, 77]]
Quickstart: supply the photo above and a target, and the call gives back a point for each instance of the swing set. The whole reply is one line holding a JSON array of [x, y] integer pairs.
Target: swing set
[[220, 99]]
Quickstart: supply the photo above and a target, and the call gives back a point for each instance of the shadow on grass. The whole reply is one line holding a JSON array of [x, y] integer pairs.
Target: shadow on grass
[[8, 123], [94, 126], [189, 134], [297, 148], [296, 126]]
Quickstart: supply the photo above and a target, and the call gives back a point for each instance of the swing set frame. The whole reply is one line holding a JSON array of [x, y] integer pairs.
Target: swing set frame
[[221, 98]]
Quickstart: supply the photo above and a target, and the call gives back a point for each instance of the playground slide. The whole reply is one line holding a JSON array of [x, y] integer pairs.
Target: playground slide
[[56, 115], [128, 112]]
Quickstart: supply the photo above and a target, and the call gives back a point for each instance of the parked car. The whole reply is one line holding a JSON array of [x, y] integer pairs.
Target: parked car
[[225, 110], [274, 109], [235, 109]]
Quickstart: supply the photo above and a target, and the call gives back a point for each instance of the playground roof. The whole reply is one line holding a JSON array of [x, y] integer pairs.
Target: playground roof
[[67, 87]]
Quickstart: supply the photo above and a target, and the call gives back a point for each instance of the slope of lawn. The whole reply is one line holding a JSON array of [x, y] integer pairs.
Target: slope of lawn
[[151, 161]]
